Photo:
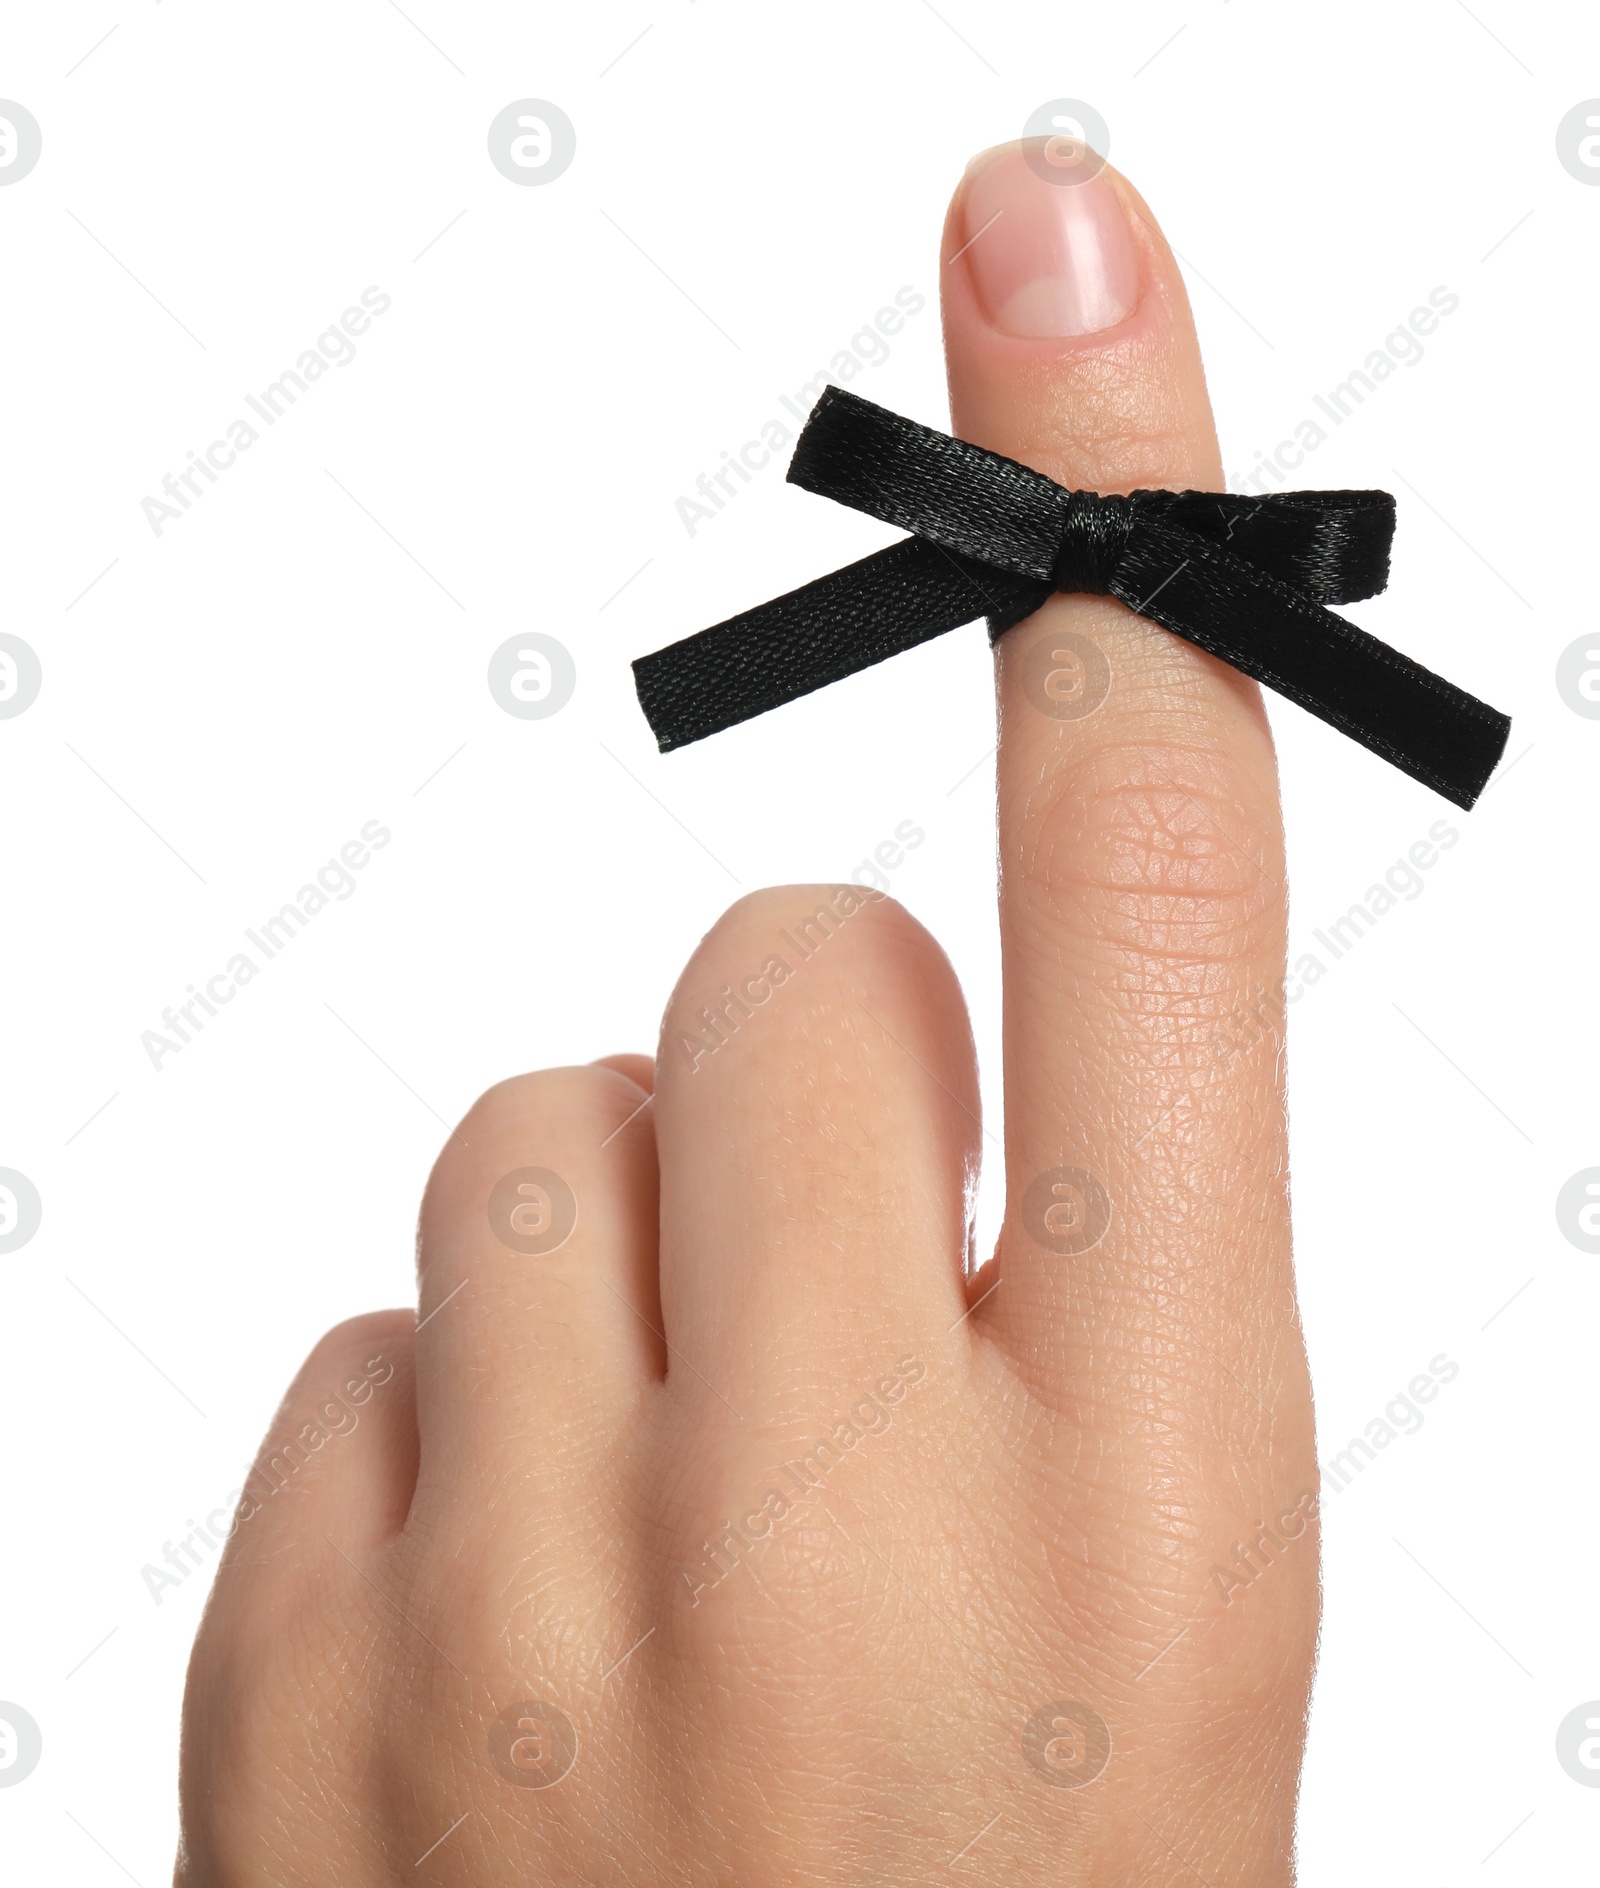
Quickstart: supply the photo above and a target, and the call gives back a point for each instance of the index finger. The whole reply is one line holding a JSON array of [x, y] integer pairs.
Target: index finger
[[1145, 1252]]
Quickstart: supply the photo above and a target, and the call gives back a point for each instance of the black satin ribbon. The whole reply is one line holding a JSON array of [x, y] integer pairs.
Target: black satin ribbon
[[1243, 578]]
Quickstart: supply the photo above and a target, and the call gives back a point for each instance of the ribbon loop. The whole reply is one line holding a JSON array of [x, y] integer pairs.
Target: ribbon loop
[[1244, 578]]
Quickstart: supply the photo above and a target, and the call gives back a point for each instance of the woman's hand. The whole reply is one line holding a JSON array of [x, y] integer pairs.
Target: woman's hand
[[714, 1525]]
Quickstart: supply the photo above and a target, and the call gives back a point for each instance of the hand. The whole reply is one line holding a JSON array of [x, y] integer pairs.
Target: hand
[[714, 1525]]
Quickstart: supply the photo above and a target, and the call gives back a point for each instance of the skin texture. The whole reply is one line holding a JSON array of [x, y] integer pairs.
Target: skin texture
[[1089, 1501]]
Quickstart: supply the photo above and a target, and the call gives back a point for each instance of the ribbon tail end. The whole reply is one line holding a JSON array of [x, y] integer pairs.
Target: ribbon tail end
[[1480, 769]]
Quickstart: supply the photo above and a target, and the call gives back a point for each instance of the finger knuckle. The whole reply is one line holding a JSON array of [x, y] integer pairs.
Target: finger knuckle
[[1152, 855]]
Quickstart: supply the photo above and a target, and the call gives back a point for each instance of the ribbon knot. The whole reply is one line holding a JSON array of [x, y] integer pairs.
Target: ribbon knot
[[1247, 579], [1094, 534]]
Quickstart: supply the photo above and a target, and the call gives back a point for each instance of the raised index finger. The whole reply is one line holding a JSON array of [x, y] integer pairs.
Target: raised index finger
[[1142, 904]]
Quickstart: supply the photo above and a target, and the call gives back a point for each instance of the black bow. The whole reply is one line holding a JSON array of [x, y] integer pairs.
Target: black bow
[[1243, 578]]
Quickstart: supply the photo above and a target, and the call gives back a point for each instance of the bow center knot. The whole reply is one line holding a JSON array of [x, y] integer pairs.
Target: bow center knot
[[1094, 534]]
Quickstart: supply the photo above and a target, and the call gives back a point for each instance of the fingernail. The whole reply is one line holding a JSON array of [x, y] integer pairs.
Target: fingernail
[[1047, 259]]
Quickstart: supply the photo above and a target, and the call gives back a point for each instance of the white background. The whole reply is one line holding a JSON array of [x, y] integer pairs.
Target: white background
[[305, 651]]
